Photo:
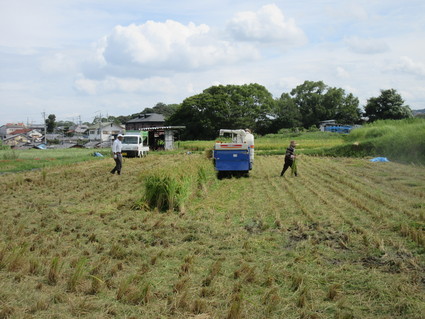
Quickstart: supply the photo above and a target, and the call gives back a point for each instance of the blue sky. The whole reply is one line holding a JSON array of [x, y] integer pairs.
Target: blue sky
[[79, 58]]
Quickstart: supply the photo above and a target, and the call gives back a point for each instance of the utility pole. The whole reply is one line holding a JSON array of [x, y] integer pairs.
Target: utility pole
[[100, 127], [45, 128], [100, 124]]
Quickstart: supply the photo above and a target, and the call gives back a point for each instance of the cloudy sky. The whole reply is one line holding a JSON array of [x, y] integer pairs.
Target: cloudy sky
[[81, 58]]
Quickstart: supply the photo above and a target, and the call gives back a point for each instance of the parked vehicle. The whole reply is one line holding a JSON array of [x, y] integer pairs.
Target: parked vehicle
[[338, 129], [236, 157], [135, 144]]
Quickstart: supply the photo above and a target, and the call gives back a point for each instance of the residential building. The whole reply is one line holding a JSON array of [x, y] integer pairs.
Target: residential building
[[8, 129], [17, 139], [104, 132], [78, 130]]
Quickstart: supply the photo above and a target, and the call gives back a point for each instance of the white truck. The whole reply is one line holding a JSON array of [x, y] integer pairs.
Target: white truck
[[135, 144]]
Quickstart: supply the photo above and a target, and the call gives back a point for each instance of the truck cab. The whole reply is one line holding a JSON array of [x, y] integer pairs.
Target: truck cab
[[135, 144]]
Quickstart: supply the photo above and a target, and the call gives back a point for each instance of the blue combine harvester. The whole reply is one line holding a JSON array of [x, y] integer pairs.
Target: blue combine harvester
[[236, 157]]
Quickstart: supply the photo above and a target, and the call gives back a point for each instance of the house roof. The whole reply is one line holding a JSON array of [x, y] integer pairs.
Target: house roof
[[148, 118], [21, 131], [17, 125], [104, 124], [11, 137]]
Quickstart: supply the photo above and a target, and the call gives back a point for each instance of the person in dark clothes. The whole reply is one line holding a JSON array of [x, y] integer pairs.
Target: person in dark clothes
[[289, 158]]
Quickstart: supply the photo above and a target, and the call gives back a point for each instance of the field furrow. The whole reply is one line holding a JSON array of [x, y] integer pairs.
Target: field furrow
[[387, 219]]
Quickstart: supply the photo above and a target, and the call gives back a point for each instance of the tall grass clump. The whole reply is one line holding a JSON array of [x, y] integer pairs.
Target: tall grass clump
[[77, 275], [399, 140], [166, 192], [170, 188]]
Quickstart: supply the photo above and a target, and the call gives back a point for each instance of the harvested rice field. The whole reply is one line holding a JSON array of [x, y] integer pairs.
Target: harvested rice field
[[345, 239]]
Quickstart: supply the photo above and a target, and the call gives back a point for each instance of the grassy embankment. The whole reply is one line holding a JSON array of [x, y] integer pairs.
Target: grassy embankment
[[344, 240], [402, 140]]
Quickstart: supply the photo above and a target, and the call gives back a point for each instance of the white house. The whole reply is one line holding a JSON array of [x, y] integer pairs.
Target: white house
[[104, 132]]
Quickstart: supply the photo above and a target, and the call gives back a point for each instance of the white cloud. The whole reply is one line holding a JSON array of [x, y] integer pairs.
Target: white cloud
[[268, 25], [166, 47], [342, 73], [366, 46], [407, 65], [347, 11], [125, 85], [147, 51], [57, 63], [86, 85]]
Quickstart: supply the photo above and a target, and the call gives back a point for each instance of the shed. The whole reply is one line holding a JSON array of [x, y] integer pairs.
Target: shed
[[162, 137], [145, 121]]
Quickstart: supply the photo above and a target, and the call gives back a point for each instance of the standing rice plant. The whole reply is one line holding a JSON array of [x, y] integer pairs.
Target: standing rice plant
[[54, 270], [167, 192], [134, 291], [169, 188], [96, 285], [2, 257], [202, 177], [34, 266], [43, 175], [16, 258], [77, 275], [235, 311]]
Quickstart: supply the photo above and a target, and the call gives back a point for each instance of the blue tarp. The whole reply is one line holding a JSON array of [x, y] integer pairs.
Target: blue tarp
[[379, 159], [41, 146]]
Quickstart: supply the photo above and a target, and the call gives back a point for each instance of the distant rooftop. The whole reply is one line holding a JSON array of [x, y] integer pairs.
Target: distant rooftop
[[149, 117]]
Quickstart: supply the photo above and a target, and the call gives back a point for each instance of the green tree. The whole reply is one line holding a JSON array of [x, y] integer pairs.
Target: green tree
[[318, 102], [51, 123], [161, 108], [309, 99], [286, 114], [230, 106], [342, 107], [388, 105], [64, 123]]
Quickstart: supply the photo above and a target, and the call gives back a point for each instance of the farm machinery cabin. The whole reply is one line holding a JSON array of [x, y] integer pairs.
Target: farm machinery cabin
[[235, 157]]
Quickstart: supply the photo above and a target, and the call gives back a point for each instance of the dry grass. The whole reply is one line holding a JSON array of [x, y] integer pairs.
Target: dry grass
[[343, 240]]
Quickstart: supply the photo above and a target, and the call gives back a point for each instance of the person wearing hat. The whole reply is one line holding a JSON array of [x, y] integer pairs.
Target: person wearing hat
[[116, 150], [289, 158]]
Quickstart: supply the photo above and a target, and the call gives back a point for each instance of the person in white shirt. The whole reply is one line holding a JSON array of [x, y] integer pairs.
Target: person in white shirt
[[116, 150], [249, 139]]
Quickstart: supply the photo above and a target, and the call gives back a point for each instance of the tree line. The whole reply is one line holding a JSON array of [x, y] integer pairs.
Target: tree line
[[253, 106]]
